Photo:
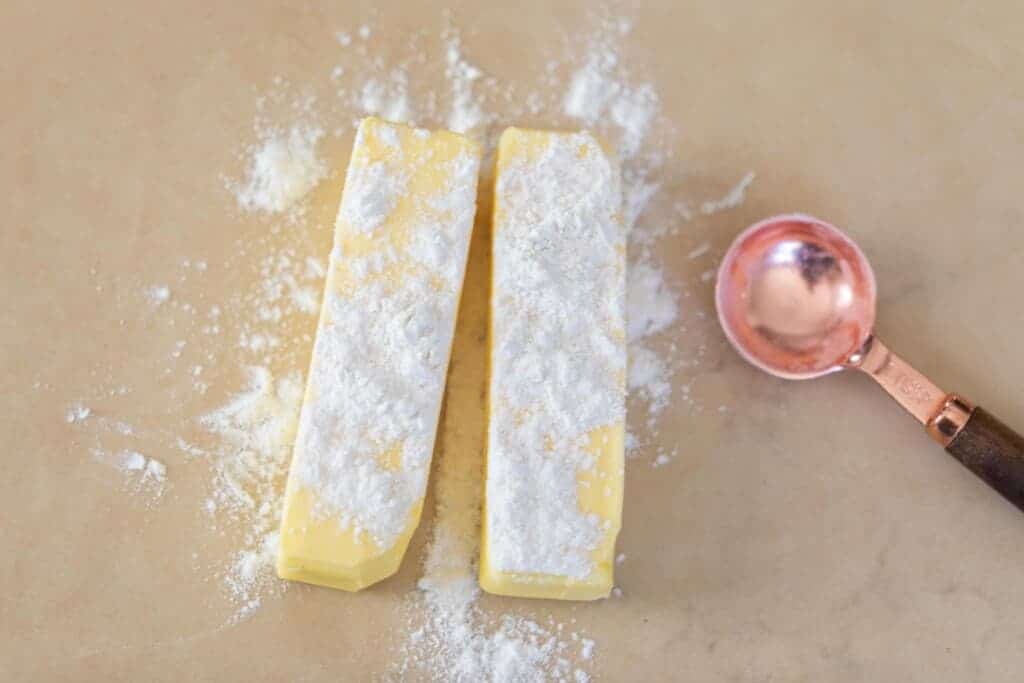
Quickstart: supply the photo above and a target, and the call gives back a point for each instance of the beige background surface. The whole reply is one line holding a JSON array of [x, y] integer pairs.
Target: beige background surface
[[811, 532]]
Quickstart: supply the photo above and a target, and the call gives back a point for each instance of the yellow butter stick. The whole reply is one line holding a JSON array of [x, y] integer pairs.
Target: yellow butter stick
[[556, 401], [376, 378]]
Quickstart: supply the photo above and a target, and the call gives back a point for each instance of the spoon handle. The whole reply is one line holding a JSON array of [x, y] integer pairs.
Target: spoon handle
[[972, 435], [992, 451]]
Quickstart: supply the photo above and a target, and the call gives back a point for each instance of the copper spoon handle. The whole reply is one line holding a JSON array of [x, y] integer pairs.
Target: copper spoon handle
[[972, 435]]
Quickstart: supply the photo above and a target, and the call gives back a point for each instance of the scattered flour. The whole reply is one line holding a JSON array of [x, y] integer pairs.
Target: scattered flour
[[288, 284], [76, 413], [148, 469], [649, 376], [466, 111], [452, 636], [598, 92], [143, 475], [587, 651], [158, 294], [699, 251], [256, 430], [731, 199], [650, 305], [388, 97], [281, 170], [661, 460]]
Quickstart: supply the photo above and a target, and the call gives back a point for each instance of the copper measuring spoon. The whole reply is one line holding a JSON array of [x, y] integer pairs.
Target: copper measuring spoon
[[796, 297]]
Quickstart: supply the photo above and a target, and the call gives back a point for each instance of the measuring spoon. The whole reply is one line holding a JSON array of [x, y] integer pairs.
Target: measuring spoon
[[796, 297]]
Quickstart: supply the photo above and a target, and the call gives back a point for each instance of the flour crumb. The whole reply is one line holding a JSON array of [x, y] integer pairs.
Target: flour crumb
[[77, 413], [158, 294], [282, 169], [663, 458], [699, 251], [154, 471], [684, 210], [133, 461], [651, 305], [142, 475], [123, 428], [733, 198]]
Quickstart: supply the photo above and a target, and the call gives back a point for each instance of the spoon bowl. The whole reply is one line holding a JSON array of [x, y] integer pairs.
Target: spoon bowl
[[796, 296]]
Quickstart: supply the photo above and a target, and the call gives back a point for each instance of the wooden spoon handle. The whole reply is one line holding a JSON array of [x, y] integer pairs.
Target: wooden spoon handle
[[992, 451], [972, 435]]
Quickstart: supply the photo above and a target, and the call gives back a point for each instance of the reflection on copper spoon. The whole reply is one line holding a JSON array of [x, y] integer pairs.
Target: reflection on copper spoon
[[796, 297]]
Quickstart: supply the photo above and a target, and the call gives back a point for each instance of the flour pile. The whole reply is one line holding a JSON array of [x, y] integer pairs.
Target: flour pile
[[282, 169]]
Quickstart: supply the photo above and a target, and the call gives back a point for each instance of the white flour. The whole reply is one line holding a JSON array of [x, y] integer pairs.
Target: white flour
[[282, 169], [466, 109], [257, 431], [142, 475], [598, 93], [387, 97], [650, 304], [733, 198], [76, 413], [158, 294], [649, 376]]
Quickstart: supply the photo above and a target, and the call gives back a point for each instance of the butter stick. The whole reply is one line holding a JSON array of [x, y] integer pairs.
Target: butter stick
[[556, 403], [370, 412]]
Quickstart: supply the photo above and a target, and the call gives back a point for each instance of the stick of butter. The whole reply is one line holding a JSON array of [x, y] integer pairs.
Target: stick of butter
[[369, 417], [553, 496]]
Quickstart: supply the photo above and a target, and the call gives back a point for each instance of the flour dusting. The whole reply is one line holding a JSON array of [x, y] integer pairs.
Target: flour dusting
[[281, 170], [237, 356], [733, 198], [257, 431], [76, 413]]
